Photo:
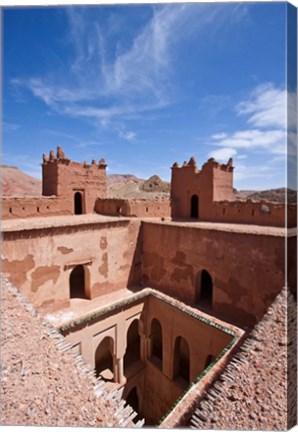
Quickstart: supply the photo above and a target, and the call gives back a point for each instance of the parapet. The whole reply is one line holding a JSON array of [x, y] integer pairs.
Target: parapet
[[59, 157], [214, 164], [192, 163]]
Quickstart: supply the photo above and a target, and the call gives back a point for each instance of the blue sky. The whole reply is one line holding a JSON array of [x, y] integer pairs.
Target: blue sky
[[147, 85]]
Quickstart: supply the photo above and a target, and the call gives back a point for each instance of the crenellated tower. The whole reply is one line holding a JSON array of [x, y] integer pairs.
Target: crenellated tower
[[193, 191], [78, 184]]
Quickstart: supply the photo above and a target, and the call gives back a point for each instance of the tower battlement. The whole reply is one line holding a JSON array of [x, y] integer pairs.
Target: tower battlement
[[71, 180], [190, 185]]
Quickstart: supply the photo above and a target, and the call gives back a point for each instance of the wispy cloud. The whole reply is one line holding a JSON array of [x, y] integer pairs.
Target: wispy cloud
[[272, 141], [10, 127], [265, 111], [266, 107], [61, 134], [98, 84], [223, 154]]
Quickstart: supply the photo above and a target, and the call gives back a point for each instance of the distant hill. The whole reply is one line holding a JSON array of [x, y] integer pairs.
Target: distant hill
[[272, 195], [155, 184], [130, 186], [15, 182]]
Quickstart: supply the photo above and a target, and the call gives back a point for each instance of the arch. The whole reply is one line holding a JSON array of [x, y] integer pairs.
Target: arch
[[204, 288], [77, 282], [209, 359], [133, 345], [104, 359], [181, 359], [156, 339], [194, 207], [78, 203], [132, 399]]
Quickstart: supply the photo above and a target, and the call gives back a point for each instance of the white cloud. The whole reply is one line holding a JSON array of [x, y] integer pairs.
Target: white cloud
[[219, 136], [273, 141], [245, 172], [105, 84], [223, 154], [137, 75], [10, 127], [127, 135], [266, 107], [265, 130]]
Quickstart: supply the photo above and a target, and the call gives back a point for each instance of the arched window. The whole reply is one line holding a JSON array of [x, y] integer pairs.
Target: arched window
[[104, 359], [181, 359], [194, 207], [204, 289], [77, 282], [133, 345], [209, 359], [78, 203], [133, 400], [156, 339]]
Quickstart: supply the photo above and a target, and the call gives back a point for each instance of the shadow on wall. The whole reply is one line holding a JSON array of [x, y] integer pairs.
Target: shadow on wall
[[136, 272]]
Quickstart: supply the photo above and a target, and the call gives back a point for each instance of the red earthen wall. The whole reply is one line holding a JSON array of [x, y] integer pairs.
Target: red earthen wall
[[214, 187], [70, 177], [247, 270], [213, 182], [133, 207], [249, 212], [222, 184], [202, 340], [27, 207], [39, 261]]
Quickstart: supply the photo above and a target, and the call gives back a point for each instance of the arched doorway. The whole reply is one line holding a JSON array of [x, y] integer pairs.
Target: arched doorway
[[78, 203], [156, 339], [204, 289], [77, 282], [104, 359], [194, 207], [181, 359], [133, 345], [133, 400], [209, 359]]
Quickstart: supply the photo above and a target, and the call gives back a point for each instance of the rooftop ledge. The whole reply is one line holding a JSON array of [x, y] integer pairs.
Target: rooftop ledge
[[37, 223]]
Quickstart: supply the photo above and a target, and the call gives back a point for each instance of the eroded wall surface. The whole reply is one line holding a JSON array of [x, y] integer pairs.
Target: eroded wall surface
[[247, 270], [39, 261]]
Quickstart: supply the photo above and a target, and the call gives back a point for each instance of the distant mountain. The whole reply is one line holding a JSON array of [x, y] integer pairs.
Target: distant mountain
[[272, 195], [130, 186], [156, 184], [123, 178], [15, 182]]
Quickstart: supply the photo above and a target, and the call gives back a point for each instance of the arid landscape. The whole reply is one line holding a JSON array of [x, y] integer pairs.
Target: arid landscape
[[15, 182], [149, 216]]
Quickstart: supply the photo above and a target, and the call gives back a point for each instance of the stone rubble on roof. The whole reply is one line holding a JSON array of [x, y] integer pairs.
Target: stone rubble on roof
[[42, 382], [252, 391]]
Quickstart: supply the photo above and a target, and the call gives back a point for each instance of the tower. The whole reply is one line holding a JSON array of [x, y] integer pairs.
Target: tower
[[193, 191], [77, 184]]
